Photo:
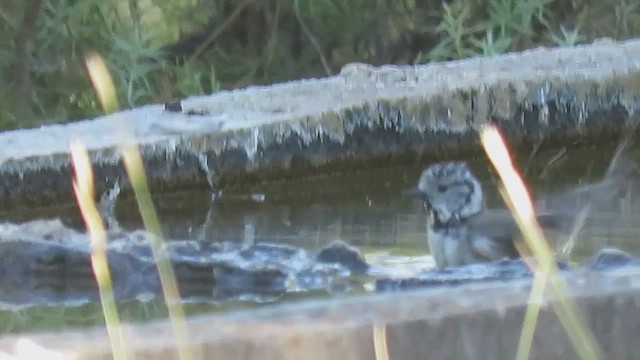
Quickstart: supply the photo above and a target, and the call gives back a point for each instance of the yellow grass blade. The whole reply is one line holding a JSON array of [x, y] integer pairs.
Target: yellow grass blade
[[380, 347], [102, 82], [83, 189], [105, 91], [135, 169], [519, 202]]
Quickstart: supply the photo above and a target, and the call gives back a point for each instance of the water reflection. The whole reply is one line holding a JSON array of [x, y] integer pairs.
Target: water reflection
[[363, 208], [366, 209]]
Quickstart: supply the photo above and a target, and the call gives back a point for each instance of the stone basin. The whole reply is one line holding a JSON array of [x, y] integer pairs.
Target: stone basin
[[361, 118]]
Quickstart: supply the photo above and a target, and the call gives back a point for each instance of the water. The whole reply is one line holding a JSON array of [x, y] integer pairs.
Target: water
[[365, 209]]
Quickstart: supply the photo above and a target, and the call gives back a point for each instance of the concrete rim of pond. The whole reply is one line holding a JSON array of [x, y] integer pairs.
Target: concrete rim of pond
[[364, 116], [480, 320]]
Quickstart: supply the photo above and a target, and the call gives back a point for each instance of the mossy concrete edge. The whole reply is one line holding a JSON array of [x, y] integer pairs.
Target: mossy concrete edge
[[481, 321], [361, 117]]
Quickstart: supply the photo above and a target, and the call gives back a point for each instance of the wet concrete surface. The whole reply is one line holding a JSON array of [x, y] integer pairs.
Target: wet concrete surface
[[363, 117], [45, 263], [479, 321], [52, 267]]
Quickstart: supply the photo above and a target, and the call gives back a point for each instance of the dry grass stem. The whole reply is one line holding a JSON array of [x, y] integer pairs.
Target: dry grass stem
[[519, 202], [83, 189]]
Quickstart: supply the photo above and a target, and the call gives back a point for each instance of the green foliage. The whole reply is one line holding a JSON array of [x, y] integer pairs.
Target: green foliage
[[150, 45], [568, 38]]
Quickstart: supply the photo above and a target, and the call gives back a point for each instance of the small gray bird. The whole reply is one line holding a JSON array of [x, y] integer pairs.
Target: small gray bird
[[460, 230]]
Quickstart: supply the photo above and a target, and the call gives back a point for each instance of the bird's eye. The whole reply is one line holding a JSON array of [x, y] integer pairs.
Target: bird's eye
[[442, 188]]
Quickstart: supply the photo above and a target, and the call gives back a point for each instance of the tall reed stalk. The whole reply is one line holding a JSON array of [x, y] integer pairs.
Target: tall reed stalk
[[83, 189], [105, 91], [519, 202]]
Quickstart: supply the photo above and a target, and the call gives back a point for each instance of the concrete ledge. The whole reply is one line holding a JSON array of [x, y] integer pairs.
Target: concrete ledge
[[363, 116], [482, 321]]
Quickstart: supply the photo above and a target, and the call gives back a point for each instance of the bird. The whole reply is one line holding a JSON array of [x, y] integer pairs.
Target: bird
[[460, 230]]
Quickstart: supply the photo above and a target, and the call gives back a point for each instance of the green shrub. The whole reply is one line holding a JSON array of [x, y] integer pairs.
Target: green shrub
[[156, 51]]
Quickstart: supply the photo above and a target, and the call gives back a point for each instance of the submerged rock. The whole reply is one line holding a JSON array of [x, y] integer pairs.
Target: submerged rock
[[505, 270], [44, 262], [339, 252], [611, 259]]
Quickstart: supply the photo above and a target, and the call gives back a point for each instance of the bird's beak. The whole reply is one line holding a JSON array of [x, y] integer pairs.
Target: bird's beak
[[413, 192]]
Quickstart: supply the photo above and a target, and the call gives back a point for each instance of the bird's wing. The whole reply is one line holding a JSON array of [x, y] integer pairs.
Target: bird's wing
[[493, 234], [493, 223], [495, 231]]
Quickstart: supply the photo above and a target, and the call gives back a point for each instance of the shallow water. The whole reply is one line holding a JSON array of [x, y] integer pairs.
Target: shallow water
[[365, 209]]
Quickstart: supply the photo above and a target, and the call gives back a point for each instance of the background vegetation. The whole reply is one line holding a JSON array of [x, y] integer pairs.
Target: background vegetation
[[160, 49]]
